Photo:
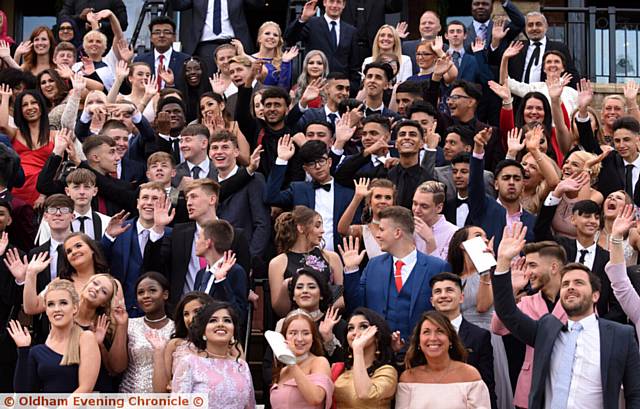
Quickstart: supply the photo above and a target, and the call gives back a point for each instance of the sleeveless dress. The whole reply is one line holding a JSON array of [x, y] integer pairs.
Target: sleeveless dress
[[38, 370], [139, 373], [370, 243], [288, 396], [32, 162], [314, 260]]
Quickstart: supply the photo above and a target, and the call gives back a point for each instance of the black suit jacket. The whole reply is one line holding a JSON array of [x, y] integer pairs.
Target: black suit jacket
[[191, 37], [516, 24], [517, 63], [233, 289], [314, 35], [607, 306], [176, 64], [373, 16], [477, 341], [619, 359], [171, 255]]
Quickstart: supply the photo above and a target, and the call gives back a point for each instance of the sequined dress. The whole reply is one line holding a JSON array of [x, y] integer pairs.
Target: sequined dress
[[138, 375]]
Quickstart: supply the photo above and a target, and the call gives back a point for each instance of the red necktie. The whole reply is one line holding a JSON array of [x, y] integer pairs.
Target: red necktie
[[398, 275], [203, 262], [159, 79]]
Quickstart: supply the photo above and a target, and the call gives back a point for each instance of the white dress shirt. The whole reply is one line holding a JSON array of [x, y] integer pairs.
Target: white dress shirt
[[324, 206], [462, 212], [456, 322], [591, 255], [204, 168], [227, 28], [165, 63], [88, 224], [535, 75], [329, 20], [585, 391], [232, 173], [53, 258], [635, 173], [194, 264], [409, 261], [212, 270]]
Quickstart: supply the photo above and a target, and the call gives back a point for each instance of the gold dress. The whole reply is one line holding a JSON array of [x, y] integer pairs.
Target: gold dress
[[384, 380]]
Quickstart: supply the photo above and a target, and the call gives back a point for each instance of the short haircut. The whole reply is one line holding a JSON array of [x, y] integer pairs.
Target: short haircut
[[383, 121], [462, 157], [152, 186], [65, 46], [58, 200], [312, 151], [627, 122], [326, 124], [403, 123], [337, 75], [196, 130], [224, 136], [161, 157], [438, 189], [95, 141], [400, 216], [594, 280], [242, 60], [386, 68], [586, 207], [220, 232], [446, 277], [410, 87], [536, 14], [421, 106], [209, 186], [547, 248], [171, 100], [113, 124], [81, 176], [156, 21], [276, 92], [466, 133], [469, 88], [457, 23], [222, 47], [505, 163], [349, 103]]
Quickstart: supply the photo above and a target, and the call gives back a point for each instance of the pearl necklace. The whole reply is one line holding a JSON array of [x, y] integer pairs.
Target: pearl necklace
[[211, 354], [164, 317]]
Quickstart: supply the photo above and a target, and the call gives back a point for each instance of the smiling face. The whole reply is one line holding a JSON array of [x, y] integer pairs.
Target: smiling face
[[41, 43], [357, 325], [388, 234], [372, 132], [94, 45], [533, 111], [460, 173], [98, 291], [532, 175], [319, 132], [223, 154], [434, 341], [258, 108], [553, 65], [424, 208], [139, 76], [209, 107], [193, 73], [576, 295], [161, 171], [535, 27], [78, 252], [381, 198], [337, 90], [269, 36], [375, 81], [190, 311], [59, 308], [386, 40], [65, 31], [572, 165], [614, 203], [481, 10], [162, 37], [429, 25], [539, 269], [453, 146], [299, 336], [48, 87], [306, 293], [333, 8], [425, 57], [408, 140], [315, 66], [626, 143], [612, 109], [460, 104], [59, 221], [446, 297], [151, 296], [147, 199], [30, 108], [64, 57], [275, 110], [121, 138], [176, 116], [220, 328], [586, 224], [222, 59]]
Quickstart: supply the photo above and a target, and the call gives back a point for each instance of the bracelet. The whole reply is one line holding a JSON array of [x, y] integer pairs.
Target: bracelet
[[485, 282], [509, 102], [614, 240]]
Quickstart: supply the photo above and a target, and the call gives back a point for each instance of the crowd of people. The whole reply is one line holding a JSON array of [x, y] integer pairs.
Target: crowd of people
[[441, 223]]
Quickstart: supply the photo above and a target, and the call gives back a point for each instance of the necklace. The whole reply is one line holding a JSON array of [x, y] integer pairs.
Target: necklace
[[316, 315], [442, 375], [302, 357], [164, 317], [211, 354]]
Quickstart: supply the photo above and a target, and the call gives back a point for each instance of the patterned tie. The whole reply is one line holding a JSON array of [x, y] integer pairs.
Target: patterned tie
[[566, 356], [332, 118], [482, 31], [160, 64], [398, 275], [455, 56]]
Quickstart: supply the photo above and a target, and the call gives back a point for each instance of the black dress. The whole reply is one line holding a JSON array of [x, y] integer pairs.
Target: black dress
[[39, 370]]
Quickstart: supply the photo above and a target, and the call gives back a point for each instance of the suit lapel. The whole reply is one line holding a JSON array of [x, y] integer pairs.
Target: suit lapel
[[97, 225], [126, 251], [187, 239], [419, 268], [606, 345]]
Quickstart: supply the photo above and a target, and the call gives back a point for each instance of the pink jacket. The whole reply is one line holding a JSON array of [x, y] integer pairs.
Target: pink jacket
[[535, 307]]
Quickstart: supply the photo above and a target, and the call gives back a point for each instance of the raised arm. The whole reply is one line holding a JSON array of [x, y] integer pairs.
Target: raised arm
[[563, 134], [5, 97], [511, 51], [344, 225]]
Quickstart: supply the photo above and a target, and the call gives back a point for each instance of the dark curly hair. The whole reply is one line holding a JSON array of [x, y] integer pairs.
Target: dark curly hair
[[325, 292], [181, 330], [384, 353], [199, 325], [415, 357]]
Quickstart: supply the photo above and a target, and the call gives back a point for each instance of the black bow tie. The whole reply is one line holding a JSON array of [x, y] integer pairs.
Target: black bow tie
[[460, 201], [370, 111], [326, 186]]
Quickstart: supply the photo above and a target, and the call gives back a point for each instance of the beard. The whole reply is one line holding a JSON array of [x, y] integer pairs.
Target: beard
[[576, 309]]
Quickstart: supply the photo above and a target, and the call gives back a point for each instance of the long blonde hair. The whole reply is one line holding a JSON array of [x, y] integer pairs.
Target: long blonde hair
[[397, 45], [72, 352], [277, 58]]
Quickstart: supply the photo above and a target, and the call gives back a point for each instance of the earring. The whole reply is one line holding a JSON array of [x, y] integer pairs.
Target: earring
[[377, 352], [204, 337], [451, 346], [232, 342]]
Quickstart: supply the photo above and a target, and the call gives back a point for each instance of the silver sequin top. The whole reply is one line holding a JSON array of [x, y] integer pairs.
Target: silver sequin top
[[139, 374]]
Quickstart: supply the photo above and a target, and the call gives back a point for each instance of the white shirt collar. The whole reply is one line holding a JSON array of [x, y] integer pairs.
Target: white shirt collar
[[232, 173], [591, 248], [167, 54], [329, 20], [477, 24], [140, 227], [87, 215], [327, 111], [456, 322], [409, 259], [215, 266], [380, 108], [204, 165], [54, 245], [635, 163], [588, 323], [542, 41]]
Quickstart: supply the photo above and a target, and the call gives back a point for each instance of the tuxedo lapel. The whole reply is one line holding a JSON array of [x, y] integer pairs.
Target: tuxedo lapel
[[421, 270], [97, 225]]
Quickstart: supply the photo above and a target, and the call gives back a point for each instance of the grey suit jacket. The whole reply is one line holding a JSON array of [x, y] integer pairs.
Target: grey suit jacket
[[182, 170], [444, 175]]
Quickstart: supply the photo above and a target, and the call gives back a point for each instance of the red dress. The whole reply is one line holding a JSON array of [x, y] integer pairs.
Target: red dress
[[32, 162]]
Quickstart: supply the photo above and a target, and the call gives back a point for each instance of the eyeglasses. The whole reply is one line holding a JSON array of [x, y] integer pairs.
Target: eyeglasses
[[423, 54], [162, 32], [61, 210], [317, 163], [457, 97], [65, 28]]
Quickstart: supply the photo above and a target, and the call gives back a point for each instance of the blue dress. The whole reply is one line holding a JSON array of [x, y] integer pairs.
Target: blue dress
[[280, 78], [38, 370]]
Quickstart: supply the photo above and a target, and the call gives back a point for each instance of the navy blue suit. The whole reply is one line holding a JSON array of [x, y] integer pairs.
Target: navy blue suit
[[474, 68], [486, 212], [311, 115], [232, 289], [314, 35], [176, 64], [302, 193], [125, 261], [375, 288], [133, 171]]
